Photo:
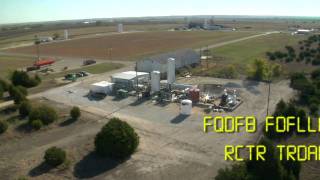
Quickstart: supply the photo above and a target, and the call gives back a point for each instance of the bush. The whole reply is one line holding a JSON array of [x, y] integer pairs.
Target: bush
[[1, 92], [4, 84], [21, 78], [46, 114], [25, 109], [117, 139], [236, 172], [55, 156], [36, 124], [314, 109], [75, 113], [23, 90], [3, 126], [19, 98]]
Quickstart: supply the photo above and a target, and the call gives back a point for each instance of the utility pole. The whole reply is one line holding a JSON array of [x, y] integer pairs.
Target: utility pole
[[137, 79], [269, 90]]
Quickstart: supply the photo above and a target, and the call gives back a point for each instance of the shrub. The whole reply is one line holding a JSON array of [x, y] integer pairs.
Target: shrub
[[44, 113], [23, 90], [315, 74], [25, 108], [3, 126], [4, 84], [75, 113], [117, 139], [314, 109], [1, 92], [236, 172], [19, 97], [55, 156], [21, 78], [36, 124]]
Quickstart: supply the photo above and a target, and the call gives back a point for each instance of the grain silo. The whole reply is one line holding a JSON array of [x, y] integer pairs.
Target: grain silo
[[120, 28], [155, 81], [171, 75], [66, 34]]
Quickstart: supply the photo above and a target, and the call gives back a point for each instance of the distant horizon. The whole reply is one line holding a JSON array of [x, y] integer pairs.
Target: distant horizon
[[24, 11], [173, 16]]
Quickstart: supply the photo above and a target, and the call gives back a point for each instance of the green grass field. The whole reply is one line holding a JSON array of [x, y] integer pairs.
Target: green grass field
[[242, 54]]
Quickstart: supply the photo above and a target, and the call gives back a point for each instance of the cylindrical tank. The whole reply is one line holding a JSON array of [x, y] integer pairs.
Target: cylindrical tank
[[194, 94], [120, 28], [66, 34], [171, 75], [186, 107], [155, 81]]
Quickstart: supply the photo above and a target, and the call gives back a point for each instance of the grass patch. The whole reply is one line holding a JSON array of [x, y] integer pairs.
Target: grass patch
[[243, 53], [11, 63]]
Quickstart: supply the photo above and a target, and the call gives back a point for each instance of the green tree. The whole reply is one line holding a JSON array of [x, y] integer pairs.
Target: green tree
[[44, 113], [36, 124], [4, 84], [75, 113], [314, 109], [55, 156], [117, 139], [268, 169], [25, 108], [3, 126], [236, 172]]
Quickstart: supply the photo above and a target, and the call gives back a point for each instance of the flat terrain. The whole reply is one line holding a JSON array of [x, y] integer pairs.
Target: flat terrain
[[11, 63], [242, 54], [172, 146], [131, 46]]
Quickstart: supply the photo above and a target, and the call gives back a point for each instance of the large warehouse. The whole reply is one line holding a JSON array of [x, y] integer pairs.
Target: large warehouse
[[159, 62]]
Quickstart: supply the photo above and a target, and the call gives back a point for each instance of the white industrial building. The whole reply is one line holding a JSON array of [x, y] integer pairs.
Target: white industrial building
[[129, 79], [160, 62]]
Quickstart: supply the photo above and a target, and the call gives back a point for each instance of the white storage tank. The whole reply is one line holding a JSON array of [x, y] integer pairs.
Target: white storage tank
[[120, 28], [155, 81], [171, 76], [186, 107], [66, 34]]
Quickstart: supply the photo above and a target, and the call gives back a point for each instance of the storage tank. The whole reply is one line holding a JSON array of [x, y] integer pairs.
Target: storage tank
[[155, 81], [171, 74], [186, 107], [120, 28], [66, 34]]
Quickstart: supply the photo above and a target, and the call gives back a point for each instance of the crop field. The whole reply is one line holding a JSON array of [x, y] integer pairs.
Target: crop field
[[81, 32], [131, 46]]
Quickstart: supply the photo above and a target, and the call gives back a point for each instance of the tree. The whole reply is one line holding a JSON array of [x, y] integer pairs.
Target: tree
[[292, 167], [4, 84], [236, 172], [3, 126], [117, 139], [259, 70], [75, 113], [19, 97], [55, 36], [36, 124], [1, 92], [46, 114], [25, 108], [268, 169], [21, 78], [316, 74], [314, 109], [55, 156]]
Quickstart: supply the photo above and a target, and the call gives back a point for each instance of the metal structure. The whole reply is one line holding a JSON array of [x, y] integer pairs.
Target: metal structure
[[66, 34], [155, 81], [171, 72]]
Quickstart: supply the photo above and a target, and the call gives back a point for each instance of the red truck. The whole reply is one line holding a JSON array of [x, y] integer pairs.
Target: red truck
[[44, 62]]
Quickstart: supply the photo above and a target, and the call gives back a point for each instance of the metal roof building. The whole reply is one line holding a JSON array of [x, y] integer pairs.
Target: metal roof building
[[182, 58]]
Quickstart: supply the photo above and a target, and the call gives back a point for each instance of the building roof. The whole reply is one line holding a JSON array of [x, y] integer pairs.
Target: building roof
[[128, 75], [102, 84], [177, 55]]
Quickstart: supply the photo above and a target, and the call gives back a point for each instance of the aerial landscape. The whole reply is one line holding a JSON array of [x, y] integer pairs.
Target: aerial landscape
[[138, 91]]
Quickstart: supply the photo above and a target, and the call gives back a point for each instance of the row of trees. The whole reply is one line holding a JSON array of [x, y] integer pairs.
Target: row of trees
[[308, 52], [271, 168]]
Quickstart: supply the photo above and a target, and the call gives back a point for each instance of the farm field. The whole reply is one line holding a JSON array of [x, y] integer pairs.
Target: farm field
[[131, 46], [81, 32], [242, 54], [11, 63]]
